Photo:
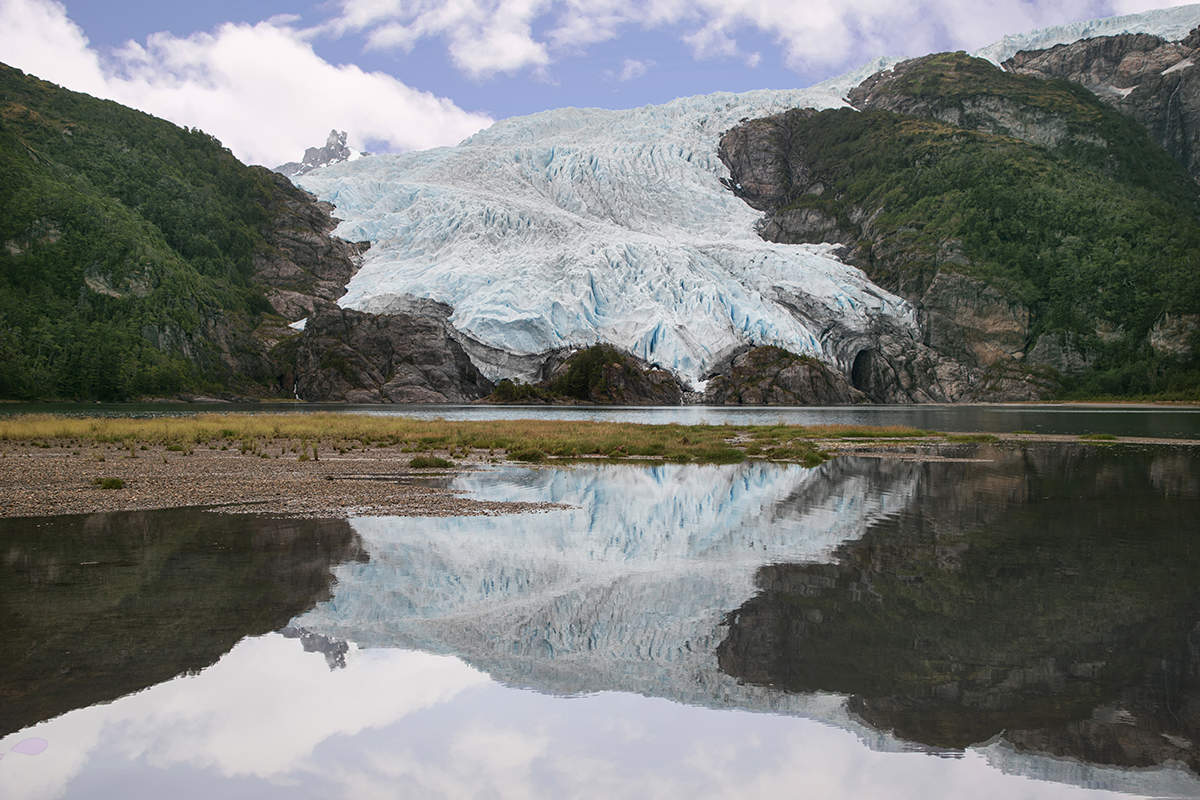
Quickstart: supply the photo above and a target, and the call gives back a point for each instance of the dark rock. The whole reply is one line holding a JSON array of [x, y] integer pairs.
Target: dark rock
[[335, 151], [303, 262], [972, 322], [774, 376], [1153, 81], [410, 357], [600, 374]]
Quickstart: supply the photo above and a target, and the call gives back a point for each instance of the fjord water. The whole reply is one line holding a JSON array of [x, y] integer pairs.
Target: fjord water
[[1000, 622]]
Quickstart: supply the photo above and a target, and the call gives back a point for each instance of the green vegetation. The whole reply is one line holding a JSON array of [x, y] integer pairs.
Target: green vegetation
[[109, 483], [1098, 437], [1101, 233], [975, 438], [584, 377], [430, 462], [127, 246]]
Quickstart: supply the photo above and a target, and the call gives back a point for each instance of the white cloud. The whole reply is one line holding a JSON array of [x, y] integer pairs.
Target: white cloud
[[632, 68], [260, 89], [503, 36]]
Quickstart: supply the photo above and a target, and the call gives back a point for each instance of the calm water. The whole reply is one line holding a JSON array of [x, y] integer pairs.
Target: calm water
[[1024, 622], [1154, 421]]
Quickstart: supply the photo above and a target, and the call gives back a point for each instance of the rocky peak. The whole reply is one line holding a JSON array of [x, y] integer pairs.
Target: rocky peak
[[971, 93], [335, 151], [1154, 81]]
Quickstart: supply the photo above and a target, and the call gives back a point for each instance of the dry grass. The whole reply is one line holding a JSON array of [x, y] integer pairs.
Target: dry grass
[[551, 438]]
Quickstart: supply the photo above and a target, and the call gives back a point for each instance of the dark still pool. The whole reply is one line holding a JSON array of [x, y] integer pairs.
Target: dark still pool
[[991, 622]]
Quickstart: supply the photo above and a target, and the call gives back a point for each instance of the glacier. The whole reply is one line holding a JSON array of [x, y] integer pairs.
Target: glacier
[[582, 225], [574, 226]]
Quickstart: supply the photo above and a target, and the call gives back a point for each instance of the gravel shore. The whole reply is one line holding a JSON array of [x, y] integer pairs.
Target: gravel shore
[[43, 481], [40, 478]]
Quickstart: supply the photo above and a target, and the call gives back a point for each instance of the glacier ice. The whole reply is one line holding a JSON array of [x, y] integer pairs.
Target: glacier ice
[[579, 225], [574, 226]]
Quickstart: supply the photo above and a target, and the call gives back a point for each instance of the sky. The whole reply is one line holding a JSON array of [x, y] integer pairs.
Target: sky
[[272, 77]]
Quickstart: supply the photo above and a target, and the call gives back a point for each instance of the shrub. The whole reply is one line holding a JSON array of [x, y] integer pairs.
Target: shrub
[[429, 462]]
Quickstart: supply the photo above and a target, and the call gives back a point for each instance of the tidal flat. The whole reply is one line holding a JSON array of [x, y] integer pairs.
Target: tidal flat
[[338, 465]]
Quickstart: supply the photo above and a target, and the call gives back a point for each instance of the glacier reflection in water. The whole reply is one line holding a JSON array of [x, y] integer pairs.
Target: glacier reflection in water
[[626, 591]]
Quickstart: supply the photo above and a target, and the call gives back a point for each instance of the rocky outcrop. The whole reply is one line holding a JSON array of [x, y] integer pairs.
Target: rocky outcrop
[[1176, 335], [774, 376], [335, 151], [405, 357], [1152, 80], [303, 263], [957, 90], [600, 374]]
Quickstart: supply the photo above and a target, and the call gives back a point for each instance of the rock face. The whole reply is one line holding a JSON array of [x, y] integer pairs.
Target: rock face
[[957, 90], [335, 151], [970, 334], [404, 357], [1152, 80], [773, 376], [304, 263]]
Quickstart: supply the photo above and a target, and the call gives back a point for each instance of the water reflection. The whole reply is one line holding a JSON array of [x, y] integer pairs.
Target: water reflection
[[94, 607], [1051, 595], [625, 592]]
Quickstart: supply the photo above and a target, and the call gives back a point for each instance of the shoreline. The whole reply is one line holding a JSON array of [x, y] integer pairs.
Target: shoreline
[[343, 465]]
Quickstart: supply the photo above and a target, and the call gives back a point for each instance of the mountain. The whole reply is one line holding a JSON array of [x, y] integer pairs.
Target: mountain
[[933, 230], [1039, 232], [335, 151], [1146, 77], [576, 226], [141, 258]]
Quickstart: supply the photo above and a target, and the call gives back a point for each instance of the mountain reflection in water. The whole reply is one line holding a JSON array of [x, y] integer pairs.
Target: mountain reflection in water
[[96, 606], [1052, 595]]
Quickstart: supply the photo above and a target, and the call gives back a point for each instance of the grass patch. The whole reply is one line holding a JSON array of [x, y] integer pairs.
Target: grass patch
[[430, 462], [529, 440], [983, 438], [108, 483], [1098, 437]]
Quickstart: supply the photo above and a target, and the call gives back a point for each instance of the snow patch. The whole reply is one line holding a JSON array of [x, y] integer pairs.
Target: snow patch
[[1182, 65], [299, 324]]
